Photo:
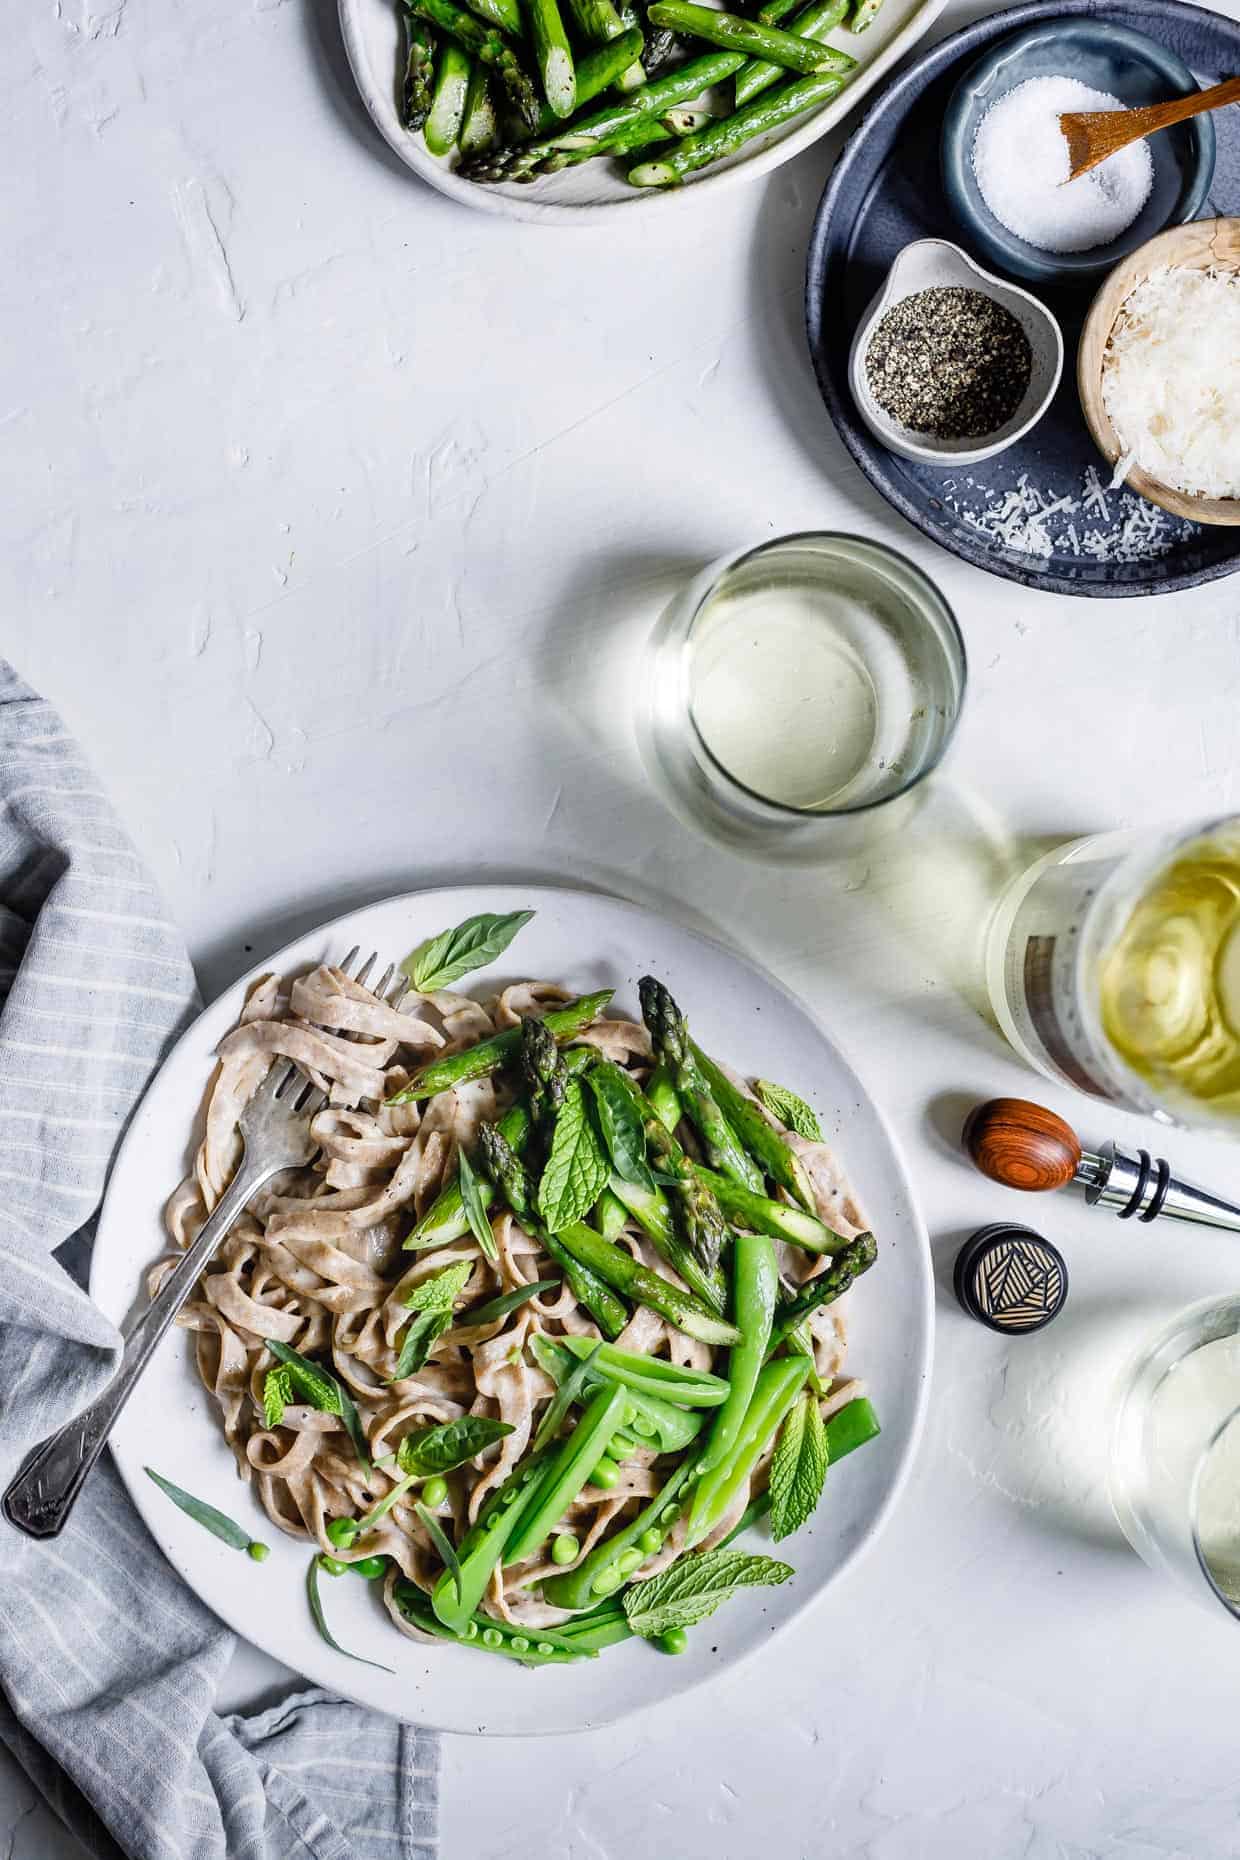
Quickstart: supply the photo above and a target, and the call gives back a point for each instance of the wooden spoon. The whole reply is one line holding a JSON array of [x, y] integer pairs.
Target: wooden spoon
[[1094, 134]]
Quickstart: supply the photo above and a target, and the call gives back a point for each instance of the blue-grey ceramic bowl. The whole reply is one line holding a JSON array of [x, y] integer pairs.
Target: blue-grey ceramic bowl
[[1114, 58]]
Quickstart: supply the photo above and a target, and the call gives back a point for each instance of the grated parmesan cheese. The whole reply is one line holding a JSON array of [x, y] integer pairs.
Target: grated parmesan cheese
[[1171, 380], [1024, 519]]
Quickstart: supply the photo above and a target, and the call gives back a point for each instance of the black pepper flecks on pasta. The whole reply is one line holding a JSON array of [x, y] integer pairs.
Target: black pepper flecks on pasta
[[950, 362]]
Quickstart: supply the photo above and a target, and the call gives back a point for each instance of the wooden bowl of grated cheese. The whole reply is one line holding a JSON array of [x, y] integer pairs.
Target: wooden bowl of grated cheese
[[1158, 370]]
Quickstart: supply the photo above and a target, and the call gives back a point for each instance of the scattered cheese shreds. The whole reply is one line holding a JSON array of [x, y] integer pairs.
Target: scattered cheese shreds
[[1023, 519], [1171, 379]]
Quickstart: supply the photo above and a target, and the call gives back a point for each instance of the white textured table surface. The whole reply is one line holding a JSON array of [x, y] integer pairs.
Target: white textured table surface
[[332, 514]]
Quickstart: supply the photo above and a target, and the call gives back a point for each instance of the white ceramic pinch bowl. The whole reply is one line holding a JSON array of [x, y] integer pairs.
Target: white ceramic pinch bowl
[[926, 265]]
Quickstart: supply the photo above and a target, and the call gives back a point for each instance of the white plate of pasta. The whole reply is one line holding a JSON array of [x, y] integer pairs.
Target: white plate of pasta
[[553, 1344]]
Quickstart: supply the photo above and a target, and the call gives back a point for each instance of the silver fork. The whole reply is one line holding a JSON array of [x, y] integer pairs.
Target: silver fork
[[275, 1132]]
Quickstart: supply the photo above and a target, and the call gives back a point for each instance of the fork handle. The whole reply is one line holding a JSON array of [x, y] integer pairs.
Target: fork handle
[[46, 1488]]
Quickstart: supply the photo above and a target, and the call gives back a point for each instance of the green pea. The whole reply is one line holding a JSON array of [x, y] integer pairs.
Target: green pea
[[259, 1552], [669, 1514], [491, 1637], [618, 1447], [509, 1496], [332, 1565], [607, 1580], [605, 1474], [643, 1425], [434, 1492], [342, 1532], [370, 1567], [629, 1415], [674, 1641], [650, 1541], [471, 1630], [544, 1646], [519, 1644], [564, 1548], [631, 1560]]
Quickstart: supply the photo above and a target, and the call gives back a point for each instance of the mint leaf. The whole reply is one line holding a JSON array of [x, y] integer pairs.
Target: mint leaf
[[576, 1171], [475, 1213], [792, 1112], [431, 1302], [325, 1392], [217, 1522], [277, 1394], [443, 959], [798, 1467], [694, 1587], [623, 1131], [431, 1450], [320, 1620]]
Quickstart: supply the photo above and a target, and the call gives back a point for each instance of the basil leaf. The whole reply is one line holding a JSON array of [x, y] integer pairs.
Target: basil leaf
[[325, 1392], [563, 1399], [576, 1171], [320, 1621], [277, 1394], [798, 1467], [431, 1302], [694, 1587], [509, 1301], [792, 1112], [623, 1131], [444, 1547], [443, 959], [433, 1450], [471, 1201], [217, 1522]]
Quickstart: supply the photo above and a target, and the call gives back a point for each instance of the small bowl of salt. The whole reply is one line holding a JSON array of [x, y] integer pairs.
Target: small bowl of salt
[[1005, 159]]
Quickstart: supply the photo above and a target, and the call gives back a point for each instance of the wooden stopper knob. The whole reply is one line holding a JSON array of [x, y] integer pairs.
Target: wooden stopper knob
[[1022, 1145]]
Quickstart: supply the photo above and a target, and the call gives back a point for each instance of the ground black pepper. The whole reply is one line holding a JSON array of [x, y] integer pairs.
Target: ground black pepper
[[949, 362]]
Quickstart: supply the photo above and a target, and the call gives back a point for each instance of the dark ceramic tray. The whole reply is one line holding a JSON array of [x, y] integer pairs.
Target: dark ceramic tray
[[1041, 512]]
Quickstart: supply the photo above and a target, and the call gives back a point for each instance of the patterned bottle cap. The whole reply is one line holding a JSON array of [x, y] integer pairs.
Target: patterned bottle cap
[[1010, 1278]]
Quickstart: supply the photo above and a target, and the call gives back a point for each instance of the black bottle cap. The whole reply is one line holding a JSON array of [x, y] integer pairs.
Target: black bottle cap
[[1010, 1278]]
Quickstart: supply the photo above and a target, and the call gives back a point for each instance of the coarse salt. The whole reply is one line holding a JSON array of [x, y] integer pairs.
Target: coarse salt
[[1020, 159]]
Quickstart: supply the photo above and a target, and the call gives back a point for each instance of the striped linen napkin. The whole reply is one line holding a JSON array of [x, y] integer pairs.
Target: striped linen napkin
[[108, 1664]]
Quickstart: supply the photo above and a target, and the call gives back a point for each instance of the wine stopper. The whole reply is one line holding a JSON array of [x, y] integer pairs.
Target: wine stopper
[[1025, 1146]]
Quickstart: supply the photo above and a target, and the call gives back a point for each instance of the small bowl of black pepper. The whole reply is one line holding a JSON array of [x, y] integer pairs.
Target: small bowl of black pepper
[[951, 365]]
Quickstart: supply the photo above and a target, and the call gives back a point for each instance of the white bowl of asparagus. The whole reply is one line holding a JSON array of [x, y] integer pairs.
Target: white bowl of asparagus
[[563, 108]]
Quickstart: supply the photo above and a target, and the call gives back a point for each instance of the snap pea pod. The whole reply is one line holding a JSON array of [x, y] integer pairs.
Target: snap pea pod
[[604, 1626], [609, 1312], [653, 1421], [652, 1375], [776, 1389], [568, 1471], [812, 22], [478, 1062], [850, 1427], [854, 1258], [771, 1217], [533, 1647], [622, 1272], [760, 1138], [755, 1285], [484, 1544], [445, 1220], [576, 1588]]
